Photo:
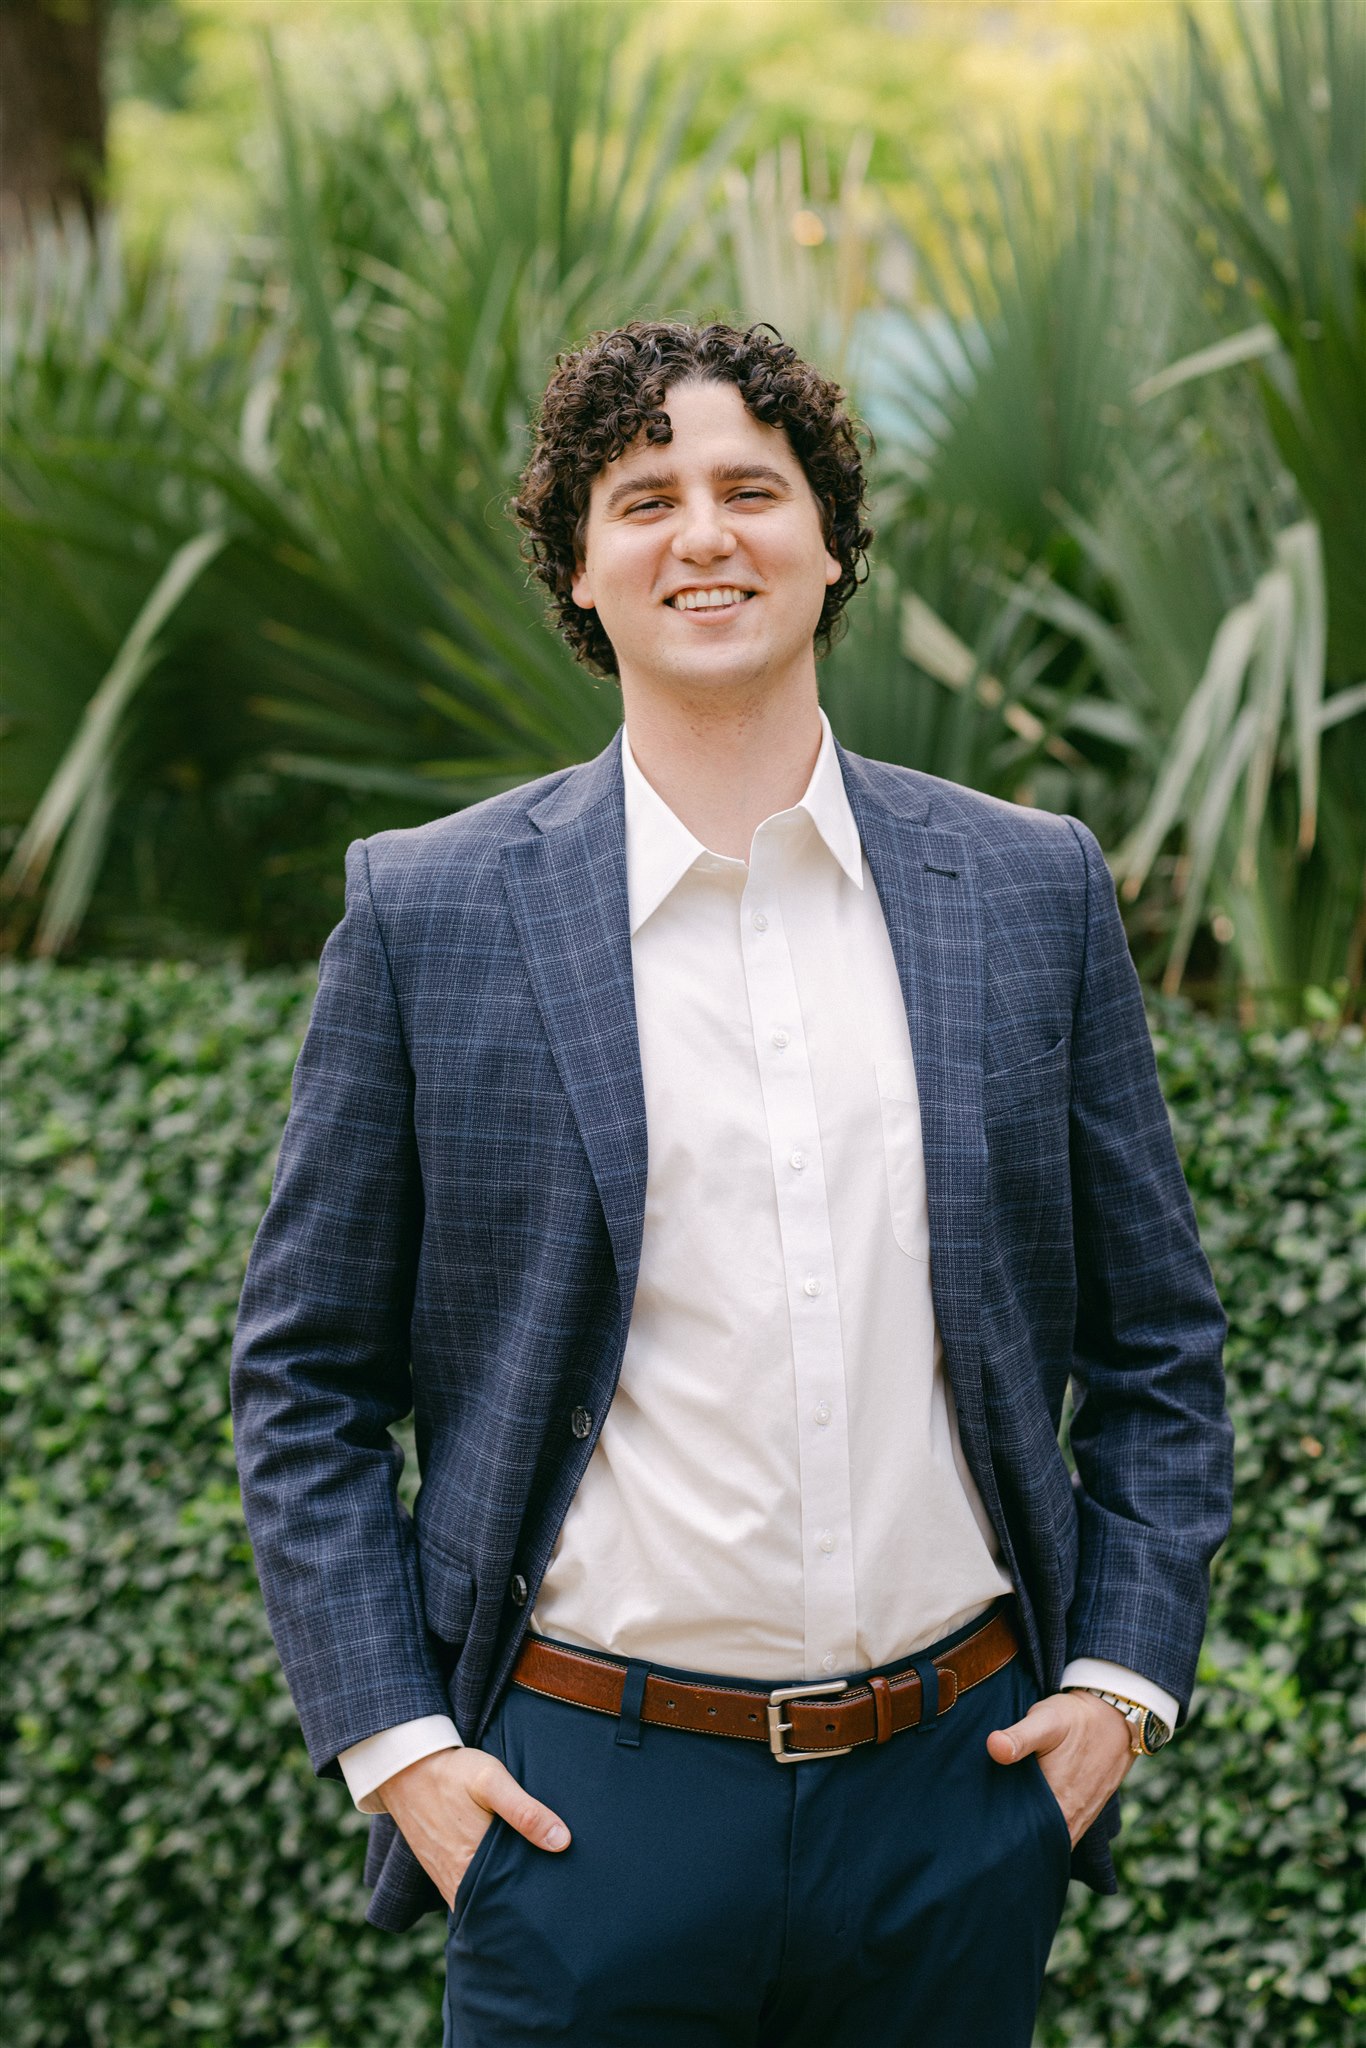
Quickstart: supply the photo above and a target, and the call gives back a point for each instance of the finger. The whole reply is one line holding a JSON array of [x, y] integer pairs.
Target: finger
[[1042, 1729], [499, 1791]]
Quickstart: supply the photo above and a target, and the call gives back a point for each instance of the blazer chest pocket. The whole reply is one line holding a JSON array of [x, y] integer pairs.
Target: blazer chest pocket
[[903, 1145], [1031, 1090], [447, 1595]]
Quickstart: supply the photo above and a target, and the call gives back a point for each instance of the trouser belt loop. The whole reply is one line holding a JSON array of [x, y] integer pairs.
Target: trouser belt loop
[[632, 1696], [925, 1671]]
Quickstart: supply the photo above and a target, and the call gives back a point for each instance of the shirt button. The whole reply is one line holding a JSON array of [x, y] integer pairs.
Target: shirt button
[[581, 1422], [811, 1285], [822, 1412], [828, 1661], [798, 1159], [826, 1541], [781, 1039], [518, 1590], [759, 921]]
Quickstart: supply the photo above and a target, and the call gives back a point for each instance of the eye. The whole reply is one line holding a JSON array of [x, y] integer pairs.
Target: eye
[[754, 493]]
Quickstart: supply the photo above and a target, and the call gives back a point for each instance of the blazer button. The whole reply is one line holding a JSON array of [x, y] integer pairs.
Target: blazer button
[[518, 1590], [581, 1422]]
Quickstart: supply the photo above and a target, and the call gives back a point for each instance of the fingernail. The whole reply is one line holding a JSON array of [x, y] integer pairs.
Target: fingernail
[[556, 1837], [1014, 1747]]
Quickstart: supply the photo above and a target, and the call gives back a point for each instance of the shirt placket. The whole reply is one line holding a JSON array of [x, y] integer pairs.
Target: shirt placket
[[784, 1064]]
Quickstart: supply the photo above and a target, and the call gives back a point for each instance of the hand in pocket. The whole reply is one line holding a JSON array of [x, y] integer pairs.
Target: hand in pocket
[[444, 1805]]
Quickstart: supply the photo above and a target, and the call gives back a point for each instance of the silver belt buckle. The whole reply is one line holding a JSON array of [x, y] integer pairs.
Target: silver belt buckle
[[778, 1728]]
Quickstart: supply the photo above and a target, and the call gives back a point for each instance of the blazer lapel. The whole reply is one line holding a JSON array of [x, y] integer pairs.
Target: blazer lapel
[[926, 882], [567, 892]]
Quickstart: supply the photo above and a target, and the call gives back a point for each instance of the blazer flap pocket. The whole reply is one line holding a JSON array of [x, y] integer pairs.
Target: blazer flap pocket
[[1007, 1089], [447, 1594]]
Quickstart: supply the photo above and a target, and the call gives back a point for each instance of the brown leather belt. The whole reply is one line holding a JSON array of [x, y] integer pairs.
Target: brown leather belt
[[796, 1721]]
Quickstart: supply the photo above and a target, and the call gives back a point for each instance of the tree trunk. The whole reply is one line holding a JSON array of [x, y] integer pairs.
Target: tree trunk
[[52, 112]]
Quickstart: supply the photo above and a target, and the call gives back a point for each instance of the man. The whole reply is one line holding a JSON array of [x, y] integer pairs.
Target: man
[[730, 1148]]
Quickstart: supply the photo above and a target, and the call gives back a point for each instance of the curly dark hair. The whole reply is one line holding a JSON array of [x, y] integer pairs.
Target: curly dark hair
[[606, 392]]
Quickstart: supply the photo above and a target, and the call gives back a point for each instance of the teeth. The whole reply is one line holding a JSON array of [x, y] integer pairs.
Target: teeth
[[707, 600]]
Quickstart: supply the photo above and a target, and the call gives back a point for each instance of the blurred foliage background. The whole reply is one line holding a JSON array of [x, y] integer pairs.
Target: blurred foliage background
[[173, 1875], [1095, 276]]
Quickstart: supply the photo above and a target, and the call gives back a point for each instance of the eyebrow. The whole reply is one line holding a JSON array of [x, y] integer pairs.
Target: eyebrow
[[666, 480]]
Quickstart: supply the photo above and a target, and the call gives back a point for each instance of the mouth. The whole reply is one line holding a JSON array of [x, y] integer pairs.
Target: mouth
[[721, 602]]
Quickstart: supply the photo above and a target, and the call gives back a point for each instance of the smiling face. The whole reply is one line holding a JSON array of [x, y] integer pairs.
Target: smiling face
[[704, 556]]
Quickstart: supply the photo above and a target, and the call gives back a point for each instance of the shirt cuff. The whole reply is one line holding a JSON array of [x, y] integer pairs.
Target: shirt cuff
[[366, 1765], [1128, 1684]]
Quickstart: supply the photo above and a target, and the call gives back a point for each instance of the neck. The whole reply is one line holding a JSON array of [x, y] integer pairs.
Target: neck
[[723, 767]]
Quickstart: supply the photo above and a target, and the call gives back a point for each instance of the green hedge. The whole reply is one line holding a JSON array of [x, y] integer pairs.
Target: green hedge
[[172, 1873]]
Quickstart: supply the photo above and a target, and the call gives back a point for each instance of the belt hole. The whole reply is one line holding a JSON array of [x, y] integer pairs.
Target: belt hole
[[712, 1712]]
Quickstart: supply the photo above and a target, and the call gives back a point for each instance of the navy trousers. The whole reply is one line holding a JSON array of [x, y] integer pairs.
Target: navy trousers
[[711, 1895]]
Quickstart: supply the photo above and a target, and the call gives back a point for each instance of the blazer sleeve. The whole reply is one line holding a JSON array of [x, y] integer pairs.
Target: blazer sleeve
[[1150, 1435], [320, 1367]]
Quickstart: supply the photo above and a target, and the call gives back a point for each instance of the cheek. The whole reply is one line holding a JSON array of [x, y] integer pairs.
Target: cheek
[[809, 557], [629, 567], [617, 587], [819, 570]]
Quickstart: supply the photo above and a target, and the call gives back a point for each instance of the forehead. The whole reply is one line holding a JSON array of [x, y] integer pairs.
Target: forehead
[[711, 425]]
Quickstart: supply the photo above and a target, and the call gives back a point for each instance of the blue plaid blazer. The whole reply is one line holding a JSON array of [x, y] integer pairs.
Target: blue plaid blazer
[[455, 1229]]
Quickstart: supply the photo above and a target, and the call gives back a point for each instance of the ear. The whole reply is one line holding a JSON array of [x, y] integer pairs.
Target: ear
[[833, 570], [581, 588]]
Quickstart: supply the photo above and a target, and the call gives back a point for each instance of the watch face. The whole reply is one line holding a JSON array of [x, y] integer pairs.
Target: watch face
[[1155, 1733]]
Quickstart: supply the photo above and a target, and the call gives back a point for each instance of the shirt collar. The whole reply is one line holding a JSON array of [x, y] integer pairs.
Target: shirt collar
[[660, 849]]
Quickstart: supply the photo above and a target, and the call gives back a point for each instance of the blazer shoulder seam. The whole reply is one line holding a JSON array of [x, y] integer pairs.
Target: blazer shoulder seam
[[1077, 829], [384, 952]]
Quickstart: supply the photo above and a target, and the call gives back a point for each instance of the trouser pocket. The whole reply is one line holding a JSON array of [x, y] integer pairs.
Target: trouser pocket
[[473, 1871], [492, 1744], [1057, 1819]]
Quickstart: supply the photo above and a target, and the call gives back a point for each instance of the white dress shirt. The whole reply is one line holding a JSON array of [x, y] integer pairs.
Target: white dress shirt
[[778, 1491]]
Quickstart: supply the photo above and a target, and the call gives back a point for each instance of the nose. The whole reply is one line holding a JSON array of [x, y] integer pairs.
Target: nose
[[703, 533]]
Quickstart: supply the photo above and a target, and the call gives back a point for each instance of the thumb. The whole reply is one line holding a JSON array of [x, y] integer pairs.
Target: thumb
[[1042, 1729], [501, 1794]]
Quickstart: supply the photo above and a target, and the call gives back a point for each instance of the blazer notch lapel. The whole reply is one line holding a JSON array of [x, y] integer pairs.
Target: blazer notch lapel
[[927, 884], [567, 894]]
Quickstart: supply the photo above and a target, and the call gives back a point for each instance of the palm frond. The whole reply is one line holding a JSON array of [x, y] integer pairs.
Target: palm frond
[[80, 796], [1280, 193]]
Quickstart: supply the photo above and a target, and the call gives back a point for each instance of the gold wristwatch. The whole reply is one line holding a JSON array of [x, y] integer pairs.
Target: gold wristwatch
[[1148, 1732]]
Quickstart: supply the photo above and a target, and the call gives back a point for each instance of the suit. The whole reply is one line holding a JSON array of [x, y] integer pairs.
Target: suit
[[456, 1226]]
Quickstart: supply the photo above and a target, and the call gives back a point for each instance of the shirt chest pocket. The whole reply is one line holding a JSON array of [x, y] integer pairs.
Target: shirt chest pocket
[[902, 1145]]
